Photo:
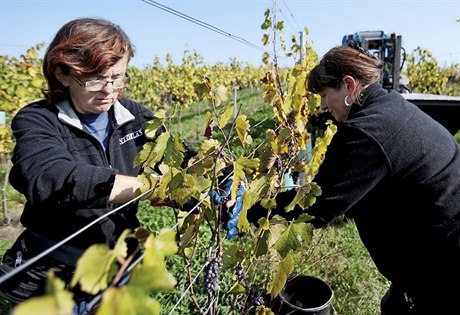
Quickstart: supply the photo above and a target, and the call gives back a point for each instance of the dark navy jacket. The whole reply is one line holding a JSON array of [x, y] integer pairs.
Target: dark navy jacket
[[67, 177], [396, 172]]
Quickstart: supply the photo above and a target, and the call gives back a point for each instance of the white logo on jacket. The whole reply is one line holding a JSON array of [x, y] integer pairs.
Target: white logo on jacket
[[131, 136]]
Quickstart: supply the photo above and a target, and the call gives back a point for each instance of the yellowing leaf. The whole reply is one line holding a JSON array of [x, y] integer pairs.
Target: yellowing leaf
[[226, 115], [95, 269], [152, 273], [21, 92], [283, 270], [243, 223], [121, 249], [150, 181], [283, 140], [241, 167], [320, 148], [37, 82], [242, 128], [166, 242], [219, 94], [124, 300]]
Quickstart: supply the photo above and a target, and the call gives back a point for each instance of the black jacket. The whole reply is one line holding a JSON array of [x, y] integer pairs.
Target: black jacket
[[396, 172], [67, 177]]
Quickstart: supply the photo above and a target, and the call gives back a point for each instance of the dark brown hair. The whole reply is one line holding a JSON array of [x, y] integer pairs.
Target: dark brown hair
[[341, 61], [83, 46]]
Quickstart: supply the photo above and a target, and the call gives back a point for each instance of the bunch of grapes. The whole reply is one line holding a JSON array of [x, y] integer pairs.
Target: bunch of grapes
[[211, 276], [255, 297], [239, 272]]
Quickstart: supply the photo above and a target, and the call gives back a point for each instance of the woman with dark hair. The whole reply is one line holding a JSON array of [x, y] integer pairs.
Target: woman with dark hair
[[396, 172], [74, 154]]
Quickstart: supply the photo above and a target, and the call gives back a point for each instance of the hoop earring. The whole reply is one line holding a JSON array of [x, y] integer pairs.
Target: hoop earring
[[347, 102]]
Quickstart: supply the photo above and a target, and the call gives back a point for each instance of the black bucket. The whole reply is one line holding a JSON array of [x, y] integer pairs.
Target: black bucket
[[305, 295]]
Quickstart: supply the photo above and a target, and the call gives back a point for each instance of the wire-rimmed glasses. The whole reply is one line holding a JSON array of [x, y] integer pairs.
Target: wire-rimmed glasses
[[97, 85]]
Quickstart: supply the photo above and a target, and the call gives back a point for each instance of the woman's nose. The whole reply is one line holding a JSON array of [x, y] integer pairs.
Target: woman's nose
[[323, 105]]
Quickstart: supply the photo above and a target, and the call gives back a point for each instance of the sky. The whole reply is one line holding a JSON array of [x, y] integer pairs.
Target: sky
[[429, 24]]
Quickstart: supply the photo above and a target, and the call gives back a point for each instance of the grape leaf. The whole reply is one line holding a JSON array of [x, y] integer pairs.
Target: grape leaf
[[173, 154], [226, 115], [219, 94], [296, 235], [95, 269], [283, 270], [152, 273], [242, 129], [152, 126], [237, 288], [127, 300]]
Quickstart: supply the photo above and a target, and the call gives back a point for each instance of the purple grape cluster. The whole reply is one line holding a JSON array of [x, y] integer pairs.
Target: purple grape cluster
[[211, 276], [239, 272], [255, 298]]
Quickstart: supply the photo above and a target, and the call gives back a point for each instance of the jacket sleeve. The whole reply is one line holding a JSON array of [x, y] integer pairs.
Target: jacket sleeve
[[46, 172], [354, 165]]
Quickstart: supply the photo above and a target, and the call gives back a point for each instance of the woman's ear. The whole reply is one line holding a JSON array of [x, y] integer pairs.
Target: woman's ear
[[64, 79], [350, 83]]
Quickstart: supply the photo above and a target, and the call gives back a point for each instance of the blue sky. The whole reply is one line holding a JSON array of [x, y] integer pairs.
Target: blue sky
[[430, 24]]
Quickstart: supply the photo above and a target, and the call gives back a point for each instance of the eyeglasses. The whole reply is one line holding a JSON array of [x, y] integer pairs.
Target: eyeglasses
[[97, 85]]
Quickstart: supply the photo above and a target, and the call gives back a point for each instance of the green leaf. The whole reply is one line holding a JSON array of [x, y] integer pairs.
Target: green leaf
[[306, 196], [297, 235], [151, 127], [144, 154], [173, 154], [234, 253], [262, 242], [283, 270], [181, 186], [187, 237], [237, 288], [152, 153]]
